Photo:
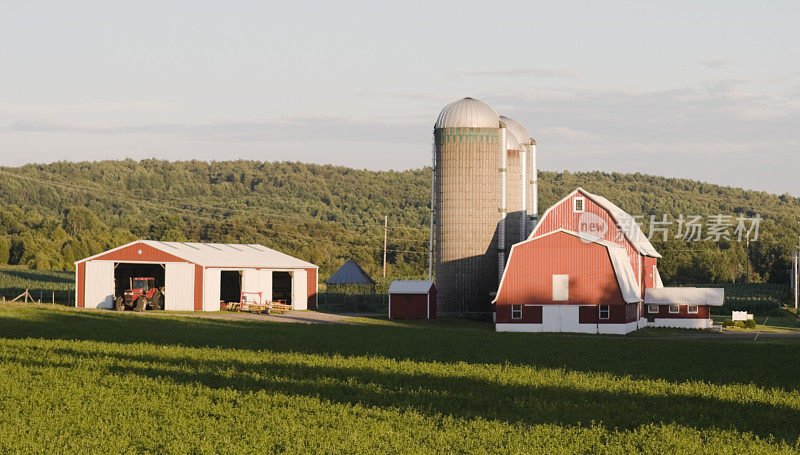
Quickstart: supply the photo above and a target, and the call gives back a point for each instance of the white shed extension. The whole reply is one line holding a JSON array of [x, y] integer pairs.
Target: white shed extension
[[196, 276]]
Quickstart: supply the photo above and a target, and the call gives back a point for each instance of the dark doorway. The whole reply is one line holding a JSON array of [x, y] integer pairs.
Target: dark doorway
[[124, 272], [282, 287], [230, 286]]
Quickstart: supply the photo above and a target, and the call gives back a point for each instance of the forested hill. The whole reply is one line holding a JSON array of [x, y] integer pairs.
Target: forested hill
[[54, 214]]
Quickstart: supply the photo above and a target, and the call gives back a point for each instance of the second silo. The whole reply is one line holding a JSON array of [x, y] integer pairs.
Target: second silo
[[516, 175], [469, 206]]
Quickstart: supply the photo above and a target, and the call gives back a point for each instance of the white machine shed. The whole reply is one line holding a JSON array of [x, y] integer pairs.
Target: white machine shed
[[197, 276]]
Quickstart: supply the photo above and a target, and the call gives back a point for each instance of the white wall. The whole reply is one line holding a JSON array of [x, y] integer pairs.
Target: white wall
[[211, 289], [681, 323], [564, 318], [250, 281], [265, 283], [99, 284], [179, 286], [299, 290]]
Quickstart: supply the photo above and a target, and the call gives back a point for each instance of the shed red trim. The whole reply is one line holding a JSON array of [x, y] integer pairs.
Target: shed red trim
[[80, 285], [136, 252], [311, 288]]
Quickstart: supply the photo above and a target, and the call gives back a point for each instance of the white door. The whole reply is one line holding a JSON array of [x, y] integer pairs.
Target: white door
[[211, 289], [179, 286], [299, 290], [550, 318], [568, 318], [99, 284]]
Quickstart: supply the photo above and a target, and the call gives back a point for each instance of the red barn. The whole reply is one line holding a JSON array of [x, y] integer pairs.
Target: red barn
[[584, 268], [412, 300]]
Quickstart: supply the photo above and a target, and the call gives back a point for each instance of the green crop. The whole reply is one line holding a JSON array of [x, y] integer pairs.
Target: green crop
[[104, 382]]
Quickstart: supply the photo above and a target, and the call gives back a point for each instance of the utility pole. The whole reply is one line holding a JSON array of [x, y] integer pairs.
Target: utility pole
[[385, 232], [794, 278]]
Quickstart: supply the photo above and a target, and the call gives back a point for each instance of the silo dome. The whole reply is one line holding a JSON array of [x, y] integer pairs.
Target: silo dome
[[517, 130], [468, 113]]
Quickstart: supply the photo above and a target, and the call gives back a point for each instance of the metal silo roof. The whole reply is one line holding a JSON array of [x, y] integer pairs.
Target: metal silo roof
[[517, 130], [468, 112], [350, 273]]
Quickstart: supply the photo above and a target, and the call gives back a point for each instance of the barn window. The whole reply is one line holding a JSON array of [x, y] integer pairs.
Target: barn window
[[673, 309], [578, 204], [604, 312], [652, 308], [560, 288], [692, 309], [516, 311]]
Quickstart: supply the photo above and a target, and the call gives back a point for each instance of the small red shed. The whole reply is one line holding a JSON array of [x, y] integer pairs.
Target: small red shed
[[412, 300]]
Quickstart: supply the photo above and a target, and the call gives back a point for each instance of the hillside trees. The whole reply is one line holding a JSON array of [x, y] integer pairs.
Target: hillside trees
[[54, 214]]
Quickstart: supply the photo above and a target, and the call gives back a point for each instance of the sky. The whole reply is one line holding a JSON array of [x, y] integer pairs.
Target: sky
[[703, 90]]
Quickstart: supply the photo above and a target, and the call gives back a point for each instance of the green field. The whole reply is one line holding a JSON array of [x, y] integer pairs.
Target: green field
[[104, 382], [42, 284]]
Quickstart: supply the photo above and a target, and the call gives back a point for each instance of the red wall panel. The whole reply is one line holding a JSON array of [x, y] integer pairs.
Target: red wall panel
[[530, 269], [409, 306], [131, 253], [562, 216], [531, 314], [683, 312], [81, 285], [311, 288]]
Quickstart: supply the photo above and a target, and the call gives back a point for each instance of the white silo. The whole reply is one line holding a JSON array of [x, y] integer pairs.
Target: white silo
[[468, 204]]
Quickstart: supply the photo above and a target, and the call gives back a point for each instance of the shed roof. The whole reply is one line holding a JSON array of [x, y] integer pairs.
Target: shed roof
[[684, 296], [350, 273], [410, 287], [221, 254]]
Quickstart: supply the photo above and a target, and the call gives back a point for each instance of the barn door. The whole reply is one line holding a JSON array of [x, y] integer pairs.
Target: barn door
[[179, 286], [211, 285], [99, 284], [550, 318]]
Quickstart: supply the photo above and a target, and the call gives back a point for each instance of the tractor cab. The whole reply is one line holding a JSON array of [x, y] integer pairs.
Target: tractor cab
[[143, 284], [141, 294]]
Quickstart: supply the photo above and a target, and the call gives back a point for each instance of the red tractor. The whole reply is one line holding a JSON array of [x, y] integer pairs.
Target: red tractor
[[141, 295]]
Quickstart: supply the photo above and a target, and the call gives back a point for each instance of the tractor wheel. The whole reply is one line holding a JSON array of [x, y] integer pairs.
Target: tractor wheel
[[157, 302], [141, 304], [119, 304]]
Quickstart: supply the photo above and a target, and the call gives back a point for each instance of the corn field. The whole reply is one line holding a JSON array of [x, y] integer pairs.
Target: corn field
[[41, 284]]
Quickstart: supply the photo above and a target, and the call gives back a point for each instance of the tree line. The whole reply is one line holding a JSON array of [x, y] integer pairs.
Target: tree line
[[54, 214]]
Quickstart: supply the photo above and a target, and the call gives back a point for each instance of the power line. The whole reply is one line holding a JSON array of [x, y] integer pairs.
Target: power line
[[198, 216], [206, 206]]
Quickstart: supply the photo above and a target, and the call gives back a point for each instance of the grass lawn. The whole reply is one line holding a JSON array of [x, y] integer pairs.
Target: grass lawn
[[105, 382], [766, 324]]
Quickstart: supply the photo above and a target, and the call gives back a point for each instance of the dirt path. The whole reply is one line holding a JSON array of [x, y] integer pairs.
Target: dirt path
[[301, 317]]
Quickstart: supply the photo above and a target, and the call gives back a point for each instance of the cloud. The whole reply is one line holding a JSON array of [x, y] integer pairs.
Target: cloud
[[289, 128], [562, 133], [715, 63], [526, 72]]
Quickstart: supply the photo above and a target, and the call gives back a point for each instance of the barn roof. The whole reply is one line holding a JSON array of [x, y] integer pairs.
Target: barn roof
[[410, 287], [220, 254], [350, 273], [625, 222], [684, 296]]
